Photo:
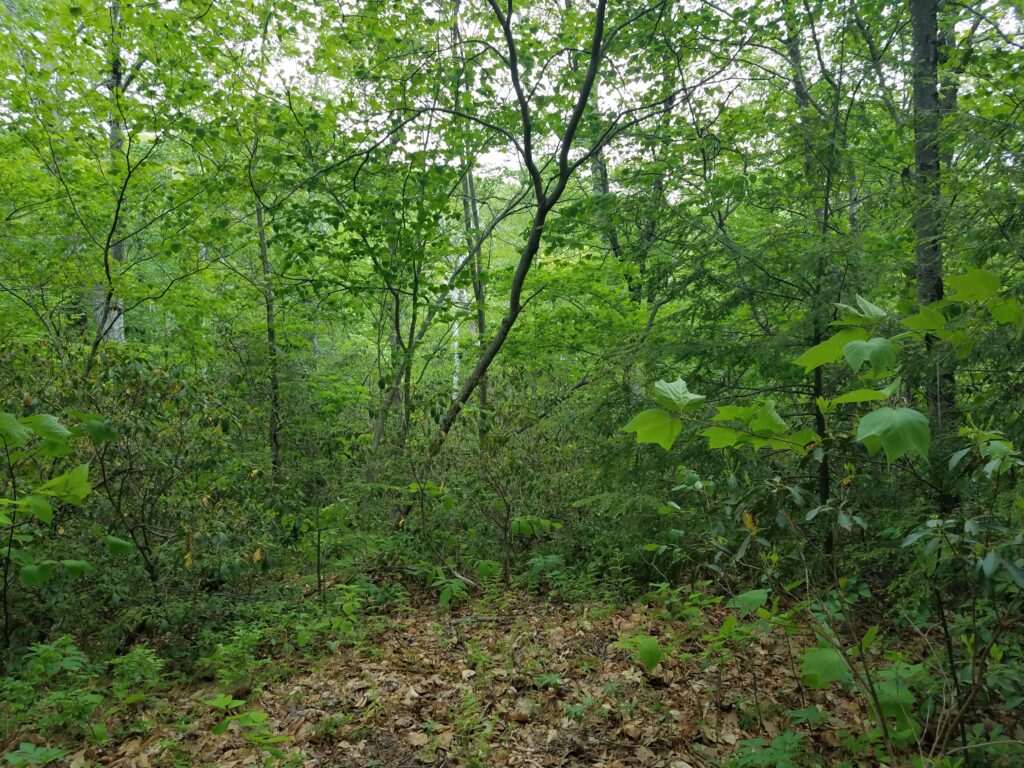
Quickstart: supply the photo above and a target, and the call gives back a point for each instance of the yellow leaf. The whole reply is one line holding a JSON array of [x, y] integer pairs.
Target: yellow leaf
[[748, 522]]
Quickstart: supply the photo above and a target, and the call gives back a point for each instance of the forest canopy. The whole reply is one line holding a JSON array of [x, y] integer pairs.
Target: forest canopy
[[531, 382]]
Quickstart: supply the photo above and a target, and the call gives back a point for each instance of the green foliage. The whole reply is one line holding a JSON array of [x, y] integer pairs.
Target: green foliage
[[821, 667], [897, 431]]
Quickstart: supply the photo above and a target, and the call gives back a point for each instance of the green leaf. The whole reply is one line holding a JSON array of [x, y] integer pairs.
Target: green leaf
[[897, 431], [1006, 310], [1015, 571], [975, 285], [675, 395], [119, 546], [72, 486], [927, 319], [649, 652], [879, 352], [861, 396], [76, 568], [743, 413], [872, 311], [36, 574], [47, 427], [767, 421], [40, 507], [223, 702], [748, 602], [655, 425], [12, 431], [722, 437], [97, 427], [829, 350], [823, 666]]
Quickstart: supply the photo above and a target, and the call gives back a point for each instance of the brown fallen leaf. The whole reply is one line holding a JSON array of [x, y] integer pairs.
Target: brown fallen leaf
[[417, 738], [523, 710]]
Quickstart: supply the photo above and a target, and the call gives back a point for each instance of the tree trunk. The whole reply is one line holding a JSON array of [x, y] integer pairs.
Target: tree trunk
[[108, 310], [471, 219], [273, 381], [938, 379], [927, 177]]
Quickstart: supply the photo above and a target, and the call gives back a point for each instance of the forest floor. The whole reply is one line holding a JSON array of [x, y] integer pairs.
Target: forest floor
[[510, 681]]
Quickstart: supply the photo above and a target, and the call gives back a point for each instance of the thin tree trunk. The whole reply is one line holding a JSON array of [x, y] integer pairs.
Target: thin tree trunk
[[938, 380], [273, 381], [927, 178], [471, 219], [108, 310]]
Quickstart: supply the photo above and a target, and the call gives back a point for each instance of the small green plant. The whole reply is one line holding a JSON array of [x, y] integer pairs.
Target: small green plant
[[253, 724], [645, 649], [135, 673], [550, 680], [784, 751], [28, 754]]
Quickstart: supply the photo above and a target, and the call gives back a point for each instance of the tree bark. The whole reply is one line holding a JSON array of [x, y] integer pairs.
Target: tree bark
[[273, 379], [927, 177], [471, 218]]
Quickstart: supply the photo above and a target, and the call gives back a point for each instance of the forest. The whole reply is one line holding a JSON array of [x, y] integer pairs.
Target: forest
[[537, 383]]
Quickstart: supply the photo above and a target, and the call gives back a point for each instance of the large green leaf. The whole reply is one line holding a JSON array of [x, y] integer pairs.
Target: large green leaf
[[897, 431], [119, 546], [1006, 310], [927, 319], [47, 427], [823, 666], [861, 396], [12, 431], [878, 352], [748, 602], [767, 421], [675, 395], [648, 650], [72, 486], [829, 350], [76, 568], [97, 427], [722, 437], [655, 425], [36, 574], [39, 507], [975, 285]]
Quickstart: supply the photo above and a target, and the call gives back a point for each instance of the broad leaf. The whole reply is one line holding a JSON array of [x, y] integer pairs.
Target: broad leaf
[[722, 437], [748, 602], [927, 319], [655, 425], [878, 352], [72, 486], [12, 431], [1006, 310], [648, 650], [47, 427], [861, 396], [75, 568], [975, 285], [767, 421], [675, 395], [829, 350], [897, 431], [36, 574], [823, 666], [119, 546], [39, 507]]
